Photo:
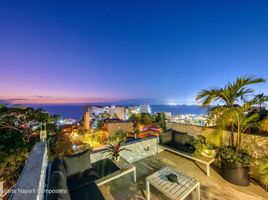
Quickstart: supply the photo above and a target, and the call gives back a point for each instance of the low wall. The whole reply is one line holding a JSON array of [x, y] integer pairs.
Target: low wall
[[32, 179], [257, 145], [137, 150]]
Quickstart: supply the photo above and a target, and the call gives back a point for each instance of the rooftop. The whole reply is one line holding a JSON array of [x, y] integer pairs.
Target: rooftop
[[212, 188]]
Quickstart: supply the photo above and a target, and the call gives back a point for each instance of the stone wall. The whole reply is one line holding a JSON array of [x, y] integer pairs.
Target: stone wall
[[257, 145], [137, 150]]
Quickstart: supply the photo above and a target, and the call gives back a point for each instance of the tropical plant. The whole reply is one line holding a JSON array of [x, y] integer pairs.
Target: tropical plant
[[63, 147], [92, 138], [11, 165], [236, 117], [115, 147], [230, 155], [142, 118], [160, 120], [200, 144], [25, 120], [262, 173], [229, 95], [118, 135], [260, 99], [264, 125], [51, 144], [19, 128]]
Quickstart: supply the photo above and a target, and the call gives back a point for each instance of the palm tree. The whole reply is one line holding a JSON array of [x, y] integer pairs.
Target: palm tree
[[230, 94], [238, 118], [261, 98]]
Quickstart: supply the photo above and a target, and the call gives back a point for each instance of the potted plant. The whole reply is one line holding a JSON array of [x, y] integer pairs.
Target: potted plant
[[235, 161], [114, 149], [116, 141], [235, 165], [230, 116], [203, 148]]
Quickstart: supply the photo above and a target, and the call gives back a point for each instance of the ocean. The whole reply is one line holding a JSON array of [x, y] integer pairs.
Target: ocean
[[76, 111]]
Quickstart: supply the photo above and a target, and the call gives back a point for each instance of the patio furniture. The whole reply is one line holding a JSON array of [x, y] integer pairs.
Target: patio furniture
[[180, 143], [174, 190], [124, 168], [76, 177], [80, 178]]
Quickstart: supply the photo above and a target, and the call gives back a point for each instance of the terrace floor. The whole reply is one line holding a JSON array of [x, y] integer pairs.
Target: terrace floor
[[212, 188]]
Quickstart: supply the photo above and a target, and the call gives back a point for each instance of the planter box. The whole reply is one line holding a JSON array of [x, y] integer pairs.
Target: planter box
[[236, 173]]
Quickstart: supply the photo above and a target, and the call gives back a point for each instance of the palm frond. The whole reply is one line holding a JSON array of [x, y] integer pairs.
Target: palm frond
[[249, 122], [264, 125], [208, 95], [247, 80], [263, 173]]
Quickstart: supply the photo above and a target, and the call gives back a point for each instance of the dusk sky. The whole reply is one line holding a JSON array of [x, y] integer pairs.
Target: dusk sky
[[80, 51]]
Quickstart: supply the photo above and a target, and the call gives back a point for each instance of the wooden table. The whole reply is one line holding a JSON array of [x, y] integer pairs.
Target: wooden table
[[178, 190], [125, 168]]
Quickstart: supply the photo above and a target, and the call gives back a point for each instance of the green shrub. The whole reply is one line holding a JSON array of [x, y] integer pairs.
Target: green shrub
[[262, 173], [200, 144], [11, 166], [119, 135], [230, 155]]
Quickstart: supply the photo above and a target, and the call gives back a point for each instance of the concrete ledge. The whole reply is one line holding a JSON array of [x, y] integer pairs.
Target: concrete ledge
[[31, 183], [139, 149]]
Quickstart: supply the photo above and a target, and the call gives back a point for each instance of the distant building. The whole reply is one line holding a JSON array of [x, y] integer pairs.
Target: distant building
[[68, 129], [127, 127], [96, 110], [68, 121], [199, 120], [86, 121], [145, 109], [168, 115], [119, 112], [134, 109]]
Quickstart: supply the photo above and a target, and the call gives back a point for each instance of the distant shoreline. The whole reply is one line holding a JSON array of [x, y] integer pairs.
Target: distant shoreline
[[75, 111]]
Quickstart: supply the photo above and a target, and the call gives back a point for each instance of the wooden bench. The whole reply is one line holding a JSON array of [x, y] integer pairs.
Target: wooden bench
[[200, 159]]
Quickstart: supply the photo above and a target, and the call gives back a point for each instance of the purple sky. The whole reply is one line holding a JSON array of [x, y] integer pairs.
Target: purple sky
[[56, 52]]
